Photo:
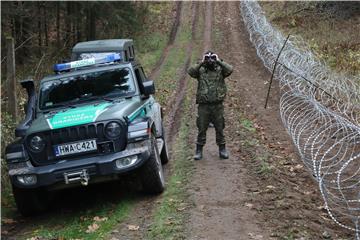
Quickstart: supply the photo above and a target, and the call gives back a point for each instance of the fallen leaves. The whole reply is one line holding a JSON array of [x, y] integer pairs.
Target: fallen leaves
[[92, 228], [99, 219], [255, 236], [270, 187], [8, 221], [169, 222], [249, 205], [180, 209], [133, 227]]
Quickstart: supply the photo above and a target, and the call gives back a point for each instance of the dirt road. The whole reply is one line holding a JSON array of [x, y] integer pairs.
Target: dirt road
[[218, 185], [255, 194]]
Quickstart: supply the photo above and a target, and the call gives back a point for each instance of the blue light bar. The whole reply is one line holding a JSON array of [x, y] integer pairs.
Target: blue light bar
[[87, 62]]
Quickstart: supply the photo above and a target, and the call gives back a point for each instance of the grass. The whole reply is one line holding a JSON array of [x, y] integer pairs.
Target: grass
[[264, 167], [169, 217], [166, 83], [168, 220], [248, 125], [74, 226], [150, 46], [334, 39], [150, 49]]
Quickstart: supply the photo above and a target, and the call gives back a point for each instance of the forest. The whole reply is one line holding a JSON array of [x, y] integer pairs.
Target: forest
[[45, 27]]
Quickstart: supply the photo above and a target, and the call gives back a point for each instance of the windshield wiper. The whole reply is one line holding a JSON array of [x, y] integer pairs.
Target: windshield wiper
[[102, 98], [107, 99], [54, 111]]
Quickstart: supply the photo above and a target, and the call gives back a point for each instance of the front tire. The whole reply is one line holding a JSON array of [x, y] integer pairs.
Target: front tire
[[152, 175], [30, 202]]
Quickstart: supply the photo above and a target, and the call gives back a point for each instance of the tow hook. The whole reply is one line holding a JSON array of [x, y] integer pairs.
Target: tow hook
[[79, 176]]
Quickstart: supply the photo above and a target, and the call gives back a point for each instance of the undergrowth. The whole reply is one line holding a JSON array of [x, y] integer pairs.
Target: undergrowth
[[332, 37]]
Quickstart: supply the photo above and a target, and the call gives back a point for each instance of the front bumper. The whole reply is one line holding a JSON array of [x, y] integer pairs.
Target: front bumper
[[97, 167]]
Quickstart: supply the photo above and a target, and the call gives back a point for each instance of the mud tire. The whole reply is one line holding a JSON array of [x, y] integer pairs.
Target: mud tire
[[31, 202]]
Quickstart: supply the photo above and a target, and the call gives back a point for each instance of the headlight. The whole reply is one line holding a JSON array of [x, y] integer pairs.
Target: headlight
[[37, 143], [27, 179], [113, 130]]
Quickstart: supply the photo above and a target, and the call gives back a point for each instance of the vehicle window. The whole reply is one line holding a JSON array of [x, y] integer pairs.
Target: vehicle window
[[86, 87], [94, 55], [130, 52], [126, 55]]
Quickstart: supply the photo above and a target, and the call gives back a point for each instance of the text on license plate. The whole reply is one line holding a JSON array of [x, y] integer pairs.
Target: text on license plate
[[77, 147]]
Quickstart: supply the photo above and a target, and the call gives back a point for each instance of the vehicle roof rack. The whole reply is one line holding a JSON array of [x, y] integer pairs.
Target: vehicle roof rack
[[125, 47]]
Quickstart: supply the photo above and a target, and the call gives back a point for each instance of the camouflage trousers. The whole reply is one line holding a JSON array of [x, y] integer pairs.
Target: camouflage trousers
[[210, 113]]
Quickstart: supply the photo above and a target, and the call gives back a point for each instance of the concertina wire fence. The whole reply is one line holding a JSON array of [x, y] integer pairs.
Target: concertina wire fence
[[321, 111]]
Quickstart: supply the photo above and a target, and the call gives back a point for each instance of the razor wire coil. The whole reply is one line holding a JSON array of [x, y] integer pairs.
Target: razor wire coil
[[321, 112]]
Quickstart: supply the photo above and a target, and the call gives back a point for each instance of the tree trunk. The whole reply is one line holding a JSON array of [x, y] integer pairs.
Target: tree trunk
[[91, 23], [58, 24], [39, 28], [10, 78], [25, 36], [68, 23], [78, 23], [45, 25]]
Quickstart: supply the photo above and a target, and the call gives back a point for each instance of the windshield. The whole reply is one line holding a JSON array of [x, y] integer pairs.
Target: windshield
[[86, 87]]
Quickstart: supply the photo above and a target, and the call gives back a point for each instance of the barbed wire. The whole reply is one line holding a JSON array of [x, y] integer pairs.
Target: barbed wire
[[321, 111]]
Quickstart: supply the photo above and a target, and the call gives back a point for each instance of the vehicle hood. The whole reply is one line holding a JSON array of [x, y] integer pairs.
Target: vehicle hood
[[85, 114]]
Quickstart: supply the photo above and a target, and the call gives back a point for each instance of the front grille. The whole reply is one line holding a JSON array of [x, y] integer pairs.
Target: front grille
[[73, 134], [77, 133]]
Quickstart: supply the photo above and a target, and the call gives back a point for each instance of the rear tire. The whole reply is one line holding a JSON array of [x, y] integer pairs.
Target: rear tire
[[152, 175], [164, 155], [31, 202]]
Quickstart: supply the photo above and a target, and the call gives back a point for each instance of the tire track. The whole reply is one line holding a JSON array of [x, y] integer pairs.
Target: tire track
[[174, 30], [208, 26], [144, 209], [174, 116]]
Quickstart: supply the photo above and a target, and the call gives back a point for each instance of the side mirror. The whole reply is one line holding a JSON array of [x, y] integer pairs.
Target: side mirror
[[149, 87], [29, 85]]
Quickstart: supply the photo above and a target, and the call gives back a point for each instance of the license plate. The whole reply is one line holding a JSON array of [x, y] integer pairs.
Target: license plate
[[76, 147]]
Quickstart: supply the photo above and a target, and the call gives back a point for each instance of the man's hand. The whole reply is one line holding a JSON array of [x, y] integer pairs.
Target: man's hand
[[203, 59], [215, 57]]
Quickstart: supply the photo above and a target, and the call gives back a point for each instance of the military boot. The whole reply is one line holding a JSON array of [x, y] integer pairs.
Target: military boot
[[223, 153], [198, 152]]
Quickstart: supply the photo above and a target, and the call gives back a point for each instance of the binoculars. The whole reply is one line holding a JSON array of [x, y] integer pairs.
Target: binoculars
[[210, 57]]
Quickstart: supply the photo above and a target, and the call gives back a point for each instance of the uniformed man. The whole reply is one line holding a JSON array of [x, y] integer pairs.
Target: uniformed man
[[211, 92]]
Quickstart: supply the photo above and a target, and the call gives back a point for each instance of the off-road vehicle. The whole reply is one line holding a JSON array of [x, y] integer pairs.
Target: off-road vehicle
[[92, 121]]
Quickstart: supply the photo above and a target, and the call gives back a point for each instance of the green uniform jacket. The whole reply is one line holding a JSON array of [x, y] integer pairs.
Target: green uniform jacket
[[211, 84]]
